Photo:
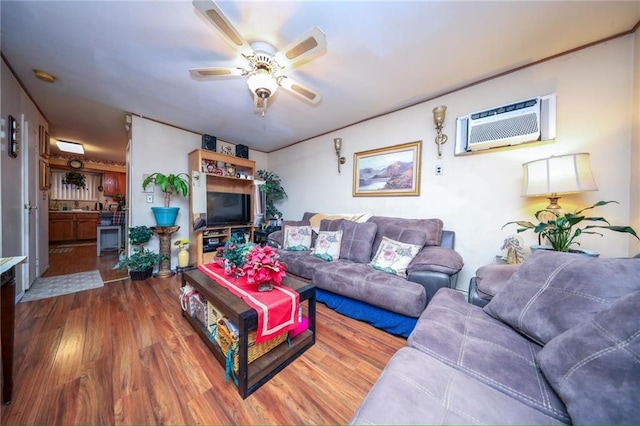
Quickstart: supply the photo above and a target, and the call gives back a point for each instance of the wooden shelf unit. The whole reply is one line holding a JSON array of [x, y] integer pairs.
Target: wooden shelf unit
[[217, 172]]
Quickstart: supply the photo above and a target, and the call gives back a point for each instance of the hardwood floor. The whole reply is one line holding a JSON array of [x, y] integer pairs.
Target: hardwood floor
[[123, 354]]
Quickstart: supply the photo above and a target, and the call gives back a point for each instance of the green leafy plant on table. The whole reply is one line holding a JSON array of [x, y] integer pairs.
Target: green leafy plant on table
[[561, 229]]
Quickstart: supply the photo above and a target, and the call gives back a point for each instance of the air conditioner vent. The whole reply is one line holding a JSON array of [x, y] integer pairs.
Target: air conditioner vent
[[515, 127], [519, 122]]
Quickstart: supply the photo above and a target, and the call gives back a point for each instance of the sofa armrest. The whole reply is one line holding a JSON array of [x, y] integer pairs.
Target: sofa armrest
[[489, 280], [437, 259], [435, 267], [433, 281], [275, 239]]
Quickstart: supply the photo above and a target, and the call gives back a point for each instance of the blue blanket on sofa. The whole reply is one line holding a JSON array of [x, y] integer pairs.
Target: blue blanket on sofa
[[391, 322]]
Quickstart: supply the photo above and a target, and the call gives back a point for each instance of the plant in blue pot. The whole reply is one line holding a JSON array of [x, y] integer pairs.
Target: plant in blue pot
[[170, 184]]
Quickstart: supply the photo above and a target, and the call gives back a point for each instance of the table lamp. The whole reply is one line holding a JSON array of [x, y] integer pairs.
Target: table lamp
[[562, 174]]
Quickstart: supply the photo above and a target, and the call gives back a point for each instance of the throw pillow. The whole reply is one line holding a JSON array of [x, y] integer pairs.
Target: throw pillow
[[357, 238], [595, 366], [394, 257], [553, 291], [328, 245], [297, 238]]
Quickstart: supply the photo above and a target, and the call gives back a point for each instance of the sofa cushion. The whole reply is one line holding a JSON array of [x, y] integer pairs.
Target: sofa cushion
[[297, 238], [432, 227], [437, 259], [362, 282], [415, 388], [357, 238], [461, 335], [595, 366], [552, 292], [300, 263], [394, 257], [327, 245]]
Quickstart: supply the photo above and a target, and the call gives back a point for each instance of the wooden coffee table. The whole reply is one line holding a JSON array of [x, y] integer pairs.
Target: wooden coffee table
[[252, 376]]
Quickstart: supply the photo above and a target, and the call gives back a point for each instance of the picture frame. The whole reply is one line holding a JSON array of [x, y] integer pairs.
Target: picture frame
[[44, 148], [45, 176], [371, 171]]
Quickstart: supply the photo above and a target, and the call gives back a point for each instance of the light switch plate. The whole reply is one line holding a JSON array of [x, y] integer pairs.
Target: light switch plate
[[149, 198]]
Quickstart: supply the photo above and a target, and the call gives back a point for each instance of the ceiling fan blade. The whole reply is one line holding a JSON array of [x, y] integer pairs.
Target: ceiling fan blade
[[310, 44], [259, 105], [215, 73], [299, 89], [210, 10]]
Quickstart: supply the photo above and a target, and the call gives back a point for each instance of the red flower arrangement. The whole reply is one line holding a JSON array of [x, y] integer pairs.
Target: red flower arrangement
[[263, 266]]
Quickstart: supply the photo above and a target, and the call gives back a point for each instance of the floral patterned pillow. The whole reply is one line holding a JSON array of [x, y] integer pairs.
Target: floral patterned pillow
[[328, 245], [394, 257], [297, 238]]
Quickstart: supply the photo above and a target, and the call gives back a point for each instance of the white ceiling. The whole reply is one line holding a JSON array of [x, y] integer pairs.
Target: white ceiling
[[114, 57]]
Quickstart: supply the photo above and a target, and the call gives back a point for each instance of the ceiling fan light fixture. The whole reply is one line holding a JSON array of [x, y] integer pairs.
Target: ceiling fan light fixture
[[262, 83]]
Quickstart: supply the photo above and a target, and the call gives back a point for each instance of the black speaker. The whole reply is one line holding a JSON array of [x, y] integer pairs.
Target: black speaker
[[209, 142], [242, 151]]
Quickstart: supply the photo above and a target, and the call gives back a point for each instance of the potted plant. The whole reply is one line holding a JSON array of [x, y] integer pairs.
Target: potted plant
[[141, 261], [75, 178], [169, 184], [561, 229], [273, 191]]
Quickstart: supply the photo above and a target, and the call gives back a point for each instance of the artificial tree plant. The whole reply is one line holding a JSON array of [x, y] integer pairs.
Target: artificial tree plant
[[273, 191]]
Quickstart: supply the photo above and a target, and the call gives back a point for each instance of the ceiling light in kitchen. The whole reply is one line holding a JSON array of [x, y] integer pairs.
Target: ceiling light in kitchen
[[44, 76], [74, 147]]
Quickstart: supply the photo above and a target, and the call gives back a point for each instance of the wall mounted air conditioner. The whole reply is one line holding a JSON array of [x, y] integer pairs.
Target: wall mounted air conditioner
[[528, 120]]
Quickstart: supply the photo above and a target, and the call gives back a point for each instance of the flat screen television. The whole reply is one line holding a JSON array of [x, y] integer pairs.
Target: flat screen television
[[226, 208]]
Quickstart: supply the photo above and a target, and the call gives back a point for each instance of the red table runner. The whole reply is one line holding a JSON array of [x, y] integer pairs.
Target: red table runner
[[277, 309]]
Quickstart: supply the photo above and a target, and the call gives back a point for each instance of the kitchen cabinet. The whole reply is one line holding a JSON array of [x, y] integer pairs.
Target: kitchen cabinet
[[114, 183], [68, 227], [61, 227]]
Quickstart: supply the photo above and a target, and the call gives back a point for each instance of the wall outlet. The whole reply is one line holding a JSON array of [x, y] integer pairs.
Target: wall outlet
[[438, 169], [149, 198]]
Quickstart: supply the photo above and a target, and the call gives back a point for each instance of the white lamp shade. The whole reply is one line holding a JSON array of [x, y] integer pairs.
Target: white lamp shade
[[563, 174]]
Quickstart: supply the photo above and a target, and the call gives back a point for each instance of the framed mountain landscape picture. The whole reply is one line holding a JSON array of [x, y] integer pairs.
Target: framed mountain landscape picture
[[390, 171]]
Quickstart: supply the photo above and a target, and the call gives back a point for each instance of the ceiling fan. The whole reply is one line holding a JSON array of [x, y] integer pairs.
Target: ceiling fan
[[265, 65]]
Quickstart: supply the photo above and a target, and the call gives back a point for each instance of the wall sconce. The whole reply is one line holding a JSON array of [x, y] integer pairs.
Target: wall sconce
[[439, 114], [337, 144]]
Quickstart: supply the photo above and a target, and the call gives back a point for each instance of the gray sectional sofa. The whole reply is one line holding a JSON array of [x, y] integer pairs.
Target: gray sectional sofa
[[559, 343], [352, 287]]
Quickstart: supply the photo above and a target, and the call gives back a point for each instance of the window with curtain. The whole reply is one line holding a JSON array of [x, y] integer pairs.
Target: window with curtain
[[61, 191]]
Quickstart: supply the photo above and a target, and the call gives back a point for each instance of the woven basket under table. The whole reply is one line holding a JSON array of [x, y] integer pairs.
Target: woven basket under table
[[227, 340]]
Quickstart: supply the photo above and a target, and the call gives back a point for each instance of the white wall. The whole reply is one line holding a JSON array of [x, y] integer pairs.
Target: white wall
[[635, 146], [477, 194], [15, 102], [157, 147]]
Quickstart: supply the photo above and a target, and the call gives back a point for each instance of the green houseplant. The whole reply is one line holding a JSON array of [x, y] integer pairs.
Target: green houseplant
[[561, 229], [273, 191], [79, 180], [170, 184], [141, 262]]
